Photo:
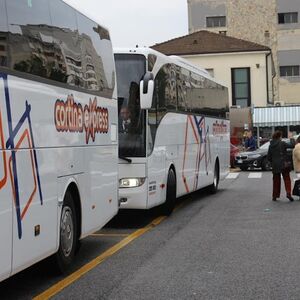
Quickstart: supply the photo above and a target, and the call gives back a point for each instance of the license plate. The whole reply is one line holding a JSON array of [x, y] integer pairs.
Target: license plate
[[240, 161]]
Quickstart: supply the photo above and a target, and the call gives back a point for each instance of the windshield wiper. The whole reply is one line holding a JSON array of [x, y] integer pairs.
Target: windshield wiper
[[126, 159]]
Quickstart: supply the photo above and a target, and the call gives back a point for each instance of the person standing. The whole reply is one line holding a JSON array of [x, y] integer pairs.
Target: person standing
[[296, 157], [281, 165], [296, 164], [250, 142]]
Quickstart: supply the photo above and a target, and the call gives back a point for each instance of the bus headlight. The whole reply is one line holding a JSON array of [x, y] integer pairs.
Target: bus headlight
[[131, 182]]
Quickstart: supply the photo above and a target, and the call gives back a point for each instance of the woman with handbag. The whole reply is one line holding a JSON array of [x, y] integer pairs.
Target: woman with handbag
[[281, 165], [296, 163]]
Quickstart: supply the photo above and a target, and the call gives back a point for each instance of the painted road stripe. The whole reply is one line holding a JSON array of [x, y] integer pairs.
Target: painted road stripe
[[255, 175], [58, 287], [232, 175]]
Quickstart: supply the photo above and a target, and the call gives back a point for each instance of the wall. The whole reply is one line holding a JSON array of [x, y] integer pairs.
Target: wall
[[222, 64], [199, 9], [285, 6], [254, 20], [288, 36], [257, 21]]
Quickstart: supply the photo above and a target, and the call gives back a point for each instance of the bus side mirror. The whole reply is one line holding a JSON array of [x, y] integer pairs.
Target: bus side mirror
[[146, 91]]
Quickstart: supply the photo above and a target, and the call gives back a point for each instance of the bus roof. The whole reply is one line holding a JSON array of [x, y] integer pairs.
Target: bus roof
[[168, 59]]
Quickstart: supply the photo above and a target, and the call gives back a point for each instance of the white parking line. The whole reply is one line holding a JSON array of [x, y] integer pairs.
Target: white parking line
[[256, 175], [232, 175]]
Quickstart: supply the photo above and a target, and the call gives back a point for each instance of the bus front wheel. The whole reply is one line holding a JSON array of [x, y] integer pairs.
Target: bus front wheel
[[168, 206], [68, 235]]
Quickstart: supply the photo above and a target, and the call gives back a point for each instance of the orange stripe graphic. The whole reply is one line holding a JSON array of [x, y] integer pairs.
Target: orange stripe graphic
[[4, 179], [24, 135]]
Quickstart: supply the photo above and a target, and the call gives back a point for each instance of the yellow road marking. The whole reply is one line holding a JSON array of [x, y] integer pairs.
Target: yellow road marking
[[110, 234], [55, 289]]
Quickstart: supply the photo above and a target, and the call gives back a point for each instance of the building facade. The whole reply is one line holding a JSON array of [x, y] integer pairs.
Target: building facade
[[273, 23]]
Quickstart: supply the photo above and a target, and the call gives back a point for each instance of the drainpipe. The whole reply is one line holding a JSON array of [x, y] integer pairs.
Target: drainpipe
[[267, 74]]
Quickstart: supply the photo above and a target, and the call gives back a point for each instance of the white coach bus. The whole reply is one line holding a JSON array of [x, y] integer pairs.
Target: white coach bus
[[58, 132], [173, 129]]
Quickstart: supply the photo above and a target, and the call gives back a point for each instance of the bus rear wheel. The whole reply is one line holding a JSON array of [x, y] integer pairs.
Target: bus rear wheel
[[215, 184], [169, 205], [68, 235]]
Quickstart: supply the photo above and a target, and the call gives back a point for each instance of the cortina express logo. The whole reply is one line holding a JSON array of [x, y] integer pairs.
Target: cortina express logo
[[70, 116], [219, 128]]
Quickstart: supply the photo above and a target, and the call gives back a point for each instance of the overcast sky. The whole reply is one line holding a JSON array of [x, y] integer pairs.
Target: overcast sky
[[138, 22]]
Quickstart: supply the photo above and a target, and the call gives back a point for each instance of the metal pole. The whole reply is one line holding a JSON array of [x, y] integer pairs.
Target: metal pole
[[258, 141]]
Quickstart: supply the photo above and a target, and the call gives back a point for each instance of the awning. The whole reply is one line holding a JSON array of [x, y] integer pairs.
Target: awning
[[276, 116]]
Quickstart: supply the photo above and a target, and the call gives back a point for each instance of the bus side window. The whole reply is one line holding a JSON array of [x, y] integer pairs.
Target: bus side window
[[161, 84], [95, 41], [166, 88], [3, 35], [67, 68], [171, 100], [183, 89], [30, 36]]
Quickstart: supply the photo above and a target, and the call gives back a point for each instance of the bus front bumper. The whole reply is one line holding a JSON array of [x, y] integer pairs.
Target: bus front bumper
[[134, 198]]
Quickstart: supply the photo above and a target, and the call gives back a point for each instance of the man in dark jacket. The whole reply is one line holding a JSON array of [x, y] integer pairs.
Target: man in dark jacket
[[281, 165], [250, 142]]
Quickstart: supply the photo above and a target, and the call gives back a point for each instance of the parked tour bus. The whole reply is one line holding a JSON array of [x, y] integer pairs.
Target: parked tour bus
[[173, 129], [58, 132]]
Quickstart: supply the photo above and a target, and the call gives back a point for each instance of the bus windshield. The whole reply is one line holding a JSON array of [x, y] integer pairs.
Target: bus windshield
[[130, 70]]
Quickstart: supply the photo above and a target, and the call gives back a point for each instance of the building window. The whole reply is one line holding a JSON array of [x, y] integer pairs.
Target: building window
[[241, 89], [289, 71], [216, 21], [287, 18]]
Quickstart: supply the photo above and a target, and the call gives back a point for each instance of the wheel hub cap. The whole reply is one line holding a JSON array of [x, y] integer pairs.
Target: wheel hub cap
[[66, 231]]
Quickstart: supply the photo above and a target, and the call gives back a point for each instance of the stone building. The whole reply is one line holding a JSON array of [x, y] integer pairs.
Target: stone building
[[273, 23]]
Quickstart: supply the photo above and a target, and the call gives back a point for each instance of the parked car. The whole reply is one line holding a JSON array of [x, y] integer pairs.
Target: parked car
[[257, 158], [234, 150]]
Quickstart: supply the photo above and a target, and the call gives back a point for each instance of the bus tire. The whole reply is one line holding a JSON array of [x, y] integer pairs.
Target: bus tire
[[67, 235], [215, 184], [169, 205]]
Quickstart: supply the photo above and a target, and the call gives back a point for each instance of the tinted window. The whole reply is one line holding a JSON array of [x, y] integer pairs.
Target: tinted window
[[68, 66], [151, 62], [183, 89], [30, 38], [193, 93], [96, 56], [166, 91], [197, 95], [63, 16], [3, 34]]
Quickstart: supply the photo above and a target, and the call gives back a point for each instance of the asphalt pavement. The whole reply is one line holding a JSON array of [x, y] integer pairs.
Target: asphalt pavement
[[236, 244]]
